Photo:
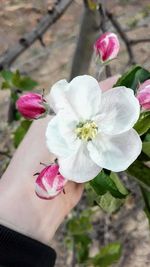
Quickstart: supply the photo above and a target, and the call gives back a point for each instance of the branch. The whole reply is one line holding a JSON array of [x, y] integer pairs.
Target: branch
[[84, 50], [5, 153], [36, 34], [137, 41], [123, 35]]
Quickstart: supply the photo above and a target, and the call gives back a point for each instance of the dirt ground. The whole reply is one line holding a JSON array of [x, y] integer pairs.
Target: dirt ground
[[53, 62]]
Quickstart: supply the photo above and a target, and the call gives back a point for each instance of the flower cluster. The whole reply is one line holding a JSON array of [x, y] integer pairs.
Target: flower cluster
[[92, 129]]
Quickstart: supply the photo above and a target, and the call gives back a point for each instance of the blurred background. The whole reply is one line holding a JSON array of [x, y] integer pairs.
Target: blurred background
[[51, 59]]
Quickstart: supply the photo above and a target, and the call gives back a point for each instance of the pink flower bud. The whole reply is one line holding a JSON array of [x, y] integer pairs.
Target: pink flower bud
[[49, 182], [107, 46], [31, 105], [143, 95]]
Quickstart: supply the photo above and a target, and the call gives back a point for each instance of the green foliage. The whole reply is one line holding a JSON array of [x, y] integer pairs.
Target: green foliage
[[105, 182], [147, 136], [109, 203], [78, 230], [16, 80], [133, 77], [141, 172], [7, 76], [107, 191], [16, 83], [143, 124], [114, 176], [79, 227], [20, 132], [108, 255], [146, 198], [146, 148], [80, 224], [82, 243]]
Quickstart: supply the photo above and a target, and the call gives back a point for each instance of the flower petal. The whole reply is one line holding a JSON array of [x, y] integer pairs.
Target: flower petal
[[57, 98], [55, 141], [67, 126], [84, 96], [120, 110], [78, 167], [115, 153]]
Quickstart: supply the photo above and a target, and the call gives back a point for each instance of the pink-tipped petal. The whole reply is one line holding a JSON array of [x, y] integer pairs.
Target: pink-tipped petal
[[49, 182], [143, 95], [31, 105], [107, 46]]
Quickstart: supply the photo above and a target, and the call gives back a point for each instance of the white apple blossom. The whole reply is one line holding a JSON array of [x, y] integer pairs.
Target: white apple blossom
[[92, 130]]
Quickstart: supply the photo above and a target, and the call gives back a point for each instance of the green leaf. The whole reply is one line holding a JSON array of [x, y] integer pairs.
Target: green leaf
[[20, 132], [146, 198], [147, 137], [15, 80], [114, 176], [143, 124], [7, 75], [25, 83], [108, 255], [82, 243], [109, 203], [91, 195], [133, 77], [146, 148], [5, 85], [103, 183], [79, 225], [141, 172]]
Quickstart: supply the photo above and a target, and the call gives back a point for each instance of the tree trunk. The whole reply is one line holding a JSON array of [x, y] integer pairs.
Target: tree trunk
[[88, 33]]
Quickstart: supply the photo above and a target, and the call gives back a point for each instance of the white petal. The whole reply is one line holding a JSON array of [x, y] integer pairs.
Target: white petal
[[120, 110], [57, 98], [40, 191], [116, 152], [84, 96], [78, 167], [55, 141]]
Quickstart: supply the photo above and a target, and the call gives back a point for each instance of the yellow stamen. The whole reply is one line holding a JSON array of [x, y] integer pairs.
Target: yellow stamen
[[86, 131]]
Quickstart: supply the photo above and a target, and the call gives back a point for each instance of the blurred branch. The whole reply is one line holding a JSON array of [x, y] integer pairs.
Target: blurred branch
[[137, 41], [28, 39], [103, 27], [5, 153], [123, 35], [88, 33]]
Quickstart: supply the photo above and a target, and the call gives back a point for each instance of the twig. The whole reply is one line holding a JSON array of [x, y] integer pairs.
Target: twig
[[5, 153], [36, 34], [137, 41], [123, 35]]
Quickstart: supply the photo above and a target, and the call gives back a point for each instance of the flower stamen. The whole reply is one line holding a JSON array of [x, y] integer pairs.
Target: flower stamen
[[86, 131]]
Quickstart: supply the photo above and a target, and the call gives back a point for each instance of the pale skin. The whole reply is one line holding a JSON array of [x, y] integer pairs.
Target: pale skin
[[20, 208]]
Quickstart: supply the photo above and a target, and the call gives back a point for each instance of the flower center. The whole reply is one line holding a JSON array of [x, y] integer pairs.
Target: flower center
[[86, 130]]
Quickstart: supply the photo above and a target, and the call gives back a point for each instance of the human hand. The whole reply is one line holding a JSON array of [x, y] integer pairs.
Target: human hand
[[20, 208]]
